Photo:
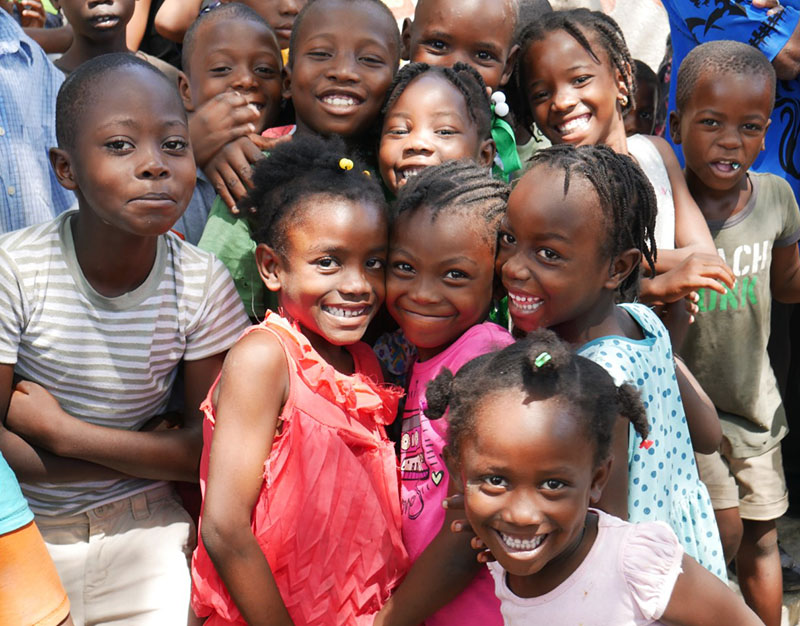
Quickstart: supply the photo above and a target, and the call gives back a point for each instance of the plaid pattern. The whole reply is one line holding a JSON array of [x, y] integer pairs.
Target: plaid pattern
[[29, 191]]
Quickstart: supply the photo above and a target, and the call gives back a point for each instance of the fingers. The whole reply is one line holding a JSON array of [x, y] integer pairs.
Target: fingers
[[268, 143], [454, 502], [217, 179]]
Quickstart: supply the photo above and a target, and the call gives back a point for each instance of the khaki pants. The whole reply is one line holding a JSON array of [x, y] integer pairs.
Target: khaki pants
[[126, 562]]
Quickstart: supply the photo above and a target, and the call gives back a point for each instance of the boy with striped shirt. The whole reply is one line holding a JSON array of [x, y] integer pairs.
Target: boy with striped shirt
[[98, 308]]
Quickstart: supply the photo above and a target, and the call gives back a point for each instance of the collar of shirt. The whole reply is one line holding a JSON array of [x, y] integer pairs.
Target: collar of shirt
[[13, 39]]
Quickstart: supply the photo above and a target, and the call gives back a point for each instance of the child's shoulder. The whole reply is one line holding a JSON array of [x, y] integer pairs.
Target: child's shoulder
[[35, 237], [772, 190]]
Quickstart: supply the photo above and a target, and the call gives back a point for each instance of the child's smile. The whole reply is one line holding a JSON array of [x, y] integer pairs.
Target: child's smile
[[572, 97], [97, 18], [440, 278], [427, 125], [529, 476], [343, 64]]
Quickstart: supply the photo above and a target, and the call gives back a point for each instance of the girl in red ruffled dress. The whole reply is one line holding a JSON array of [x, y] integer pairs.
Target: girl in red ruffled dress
[[301, 510]]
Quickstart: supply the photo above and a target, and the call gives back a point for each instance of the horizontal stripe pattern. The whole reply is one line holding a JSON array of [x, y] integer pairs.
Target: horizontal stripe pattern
[[109, 361]]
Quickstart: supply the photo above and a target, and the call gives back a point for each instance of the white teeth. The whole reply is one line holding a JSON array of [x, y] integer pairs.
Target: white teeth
[[411, 171], [339, 312], [572, 125], [340, 101], [515, 543], [526, 304]]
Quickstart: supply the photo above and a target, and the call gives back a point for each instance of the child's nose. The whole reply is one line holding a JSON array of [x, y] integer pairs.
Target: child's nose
[[514, 269], [522, 509], [289, 7], [564, 99], [729, 138], [343, 68], [153, 164], [423, 291], [354, 282], [418, 142], [243, 80]]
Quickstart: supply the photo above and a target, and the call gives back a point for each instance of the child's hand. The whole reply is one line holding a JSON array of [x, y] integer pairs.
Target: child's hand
[[32, 14], [218, 122], [773, 5], [230, 169], [697, 271], [455, 502], [36, 416]]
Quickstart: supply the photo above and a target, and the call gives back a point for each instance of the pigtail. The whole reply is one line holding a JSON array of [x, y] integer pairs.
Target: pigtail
[[631, 408], [438, 394], [545, 353]]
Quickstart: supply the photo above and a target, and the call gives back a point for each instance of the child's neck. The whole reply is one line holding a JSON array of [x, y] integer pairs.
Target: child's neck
[[617, 138], [83, 50], [113, 262], [555, 572], [602, 320], [338, 357], [715, 204]]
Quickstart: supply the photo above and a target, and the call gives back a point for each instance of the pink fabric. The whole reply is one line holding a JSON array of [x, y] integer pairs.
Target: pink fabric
[[425, 478], [327, 517], [626, 579]]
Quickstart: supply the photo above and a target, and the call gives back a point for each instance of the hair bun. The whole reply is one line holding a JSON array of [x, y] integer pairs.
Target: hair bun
[[438, 394]]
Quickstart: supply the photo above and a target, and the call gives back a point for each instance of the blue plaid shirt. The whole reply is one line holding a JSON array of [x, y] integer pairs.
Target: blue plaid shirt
[[29, 191]]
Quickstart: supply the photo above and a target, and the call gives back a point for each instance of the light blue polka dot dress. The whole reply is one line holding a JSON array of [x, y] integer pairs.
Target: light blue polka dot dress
[[662, 476]]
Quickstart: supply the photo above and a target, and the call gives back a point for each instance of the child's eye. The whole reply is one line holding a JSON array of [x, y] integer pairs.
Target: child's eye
[[436, 44], [372, 60], [176, 145], [402, 268], [753, 128], [318, 54], [709, 122], [396, 130], [495, 481], [537, 96], [265, 70], [552, 484], [447, 132], [580, 80], [220, 69], [646, 115], [485, 55], [119, 145], [327, 262], [375, 264], [548, 254], [456, 275], [507, 239]]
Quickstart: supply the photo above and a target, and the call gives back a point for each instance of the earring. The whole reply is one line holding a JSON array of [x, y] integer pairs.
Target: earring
[[623, 100]]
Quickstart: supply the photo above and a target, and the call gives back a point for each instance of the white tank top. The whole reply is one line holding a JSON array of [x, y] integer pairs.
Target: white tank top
[[649, 159]]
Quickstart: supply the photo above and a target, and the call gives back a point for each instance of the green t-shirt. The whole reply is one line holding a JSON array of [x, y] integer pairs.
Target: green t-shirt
[[726, 347]]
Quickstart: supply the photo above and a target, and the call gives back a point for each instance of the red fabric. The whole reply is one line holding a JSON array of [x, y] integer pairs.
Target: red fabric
[[328, 515]]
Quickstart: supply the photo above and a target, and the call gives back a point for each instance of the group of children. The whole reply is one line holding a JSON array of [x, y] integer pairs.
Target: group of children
[[371, 241]]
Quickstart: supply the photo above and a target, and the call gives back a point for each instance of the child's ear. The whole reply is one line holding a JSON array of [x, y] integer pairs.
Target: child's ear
[[622, 88], [453, 469], [62, 166], [511, 61], [622, 266], [270, 266], [405, 39], [185, 91], [764, 138], [486, 152], [675, 128], [286, 76], [600, 479]]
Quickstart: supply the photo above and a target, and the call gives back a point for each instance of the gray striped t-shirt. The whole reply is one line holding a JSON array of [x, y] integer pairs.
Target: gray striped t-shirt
[[109, 361]]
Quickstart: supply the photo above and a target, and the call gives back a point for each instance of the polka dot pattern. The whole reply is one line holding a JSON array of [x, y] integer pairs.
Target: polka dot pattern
[[663, 481]]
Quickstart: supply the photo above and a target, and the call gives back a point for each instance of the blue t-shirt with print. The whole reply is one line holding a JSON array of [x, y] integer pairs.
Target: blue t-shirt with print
[[14, 509]]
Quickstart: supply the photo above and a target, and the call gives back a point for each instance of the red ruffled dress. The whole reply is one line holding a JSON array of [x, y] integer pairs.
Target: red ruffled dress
[[328, 514]]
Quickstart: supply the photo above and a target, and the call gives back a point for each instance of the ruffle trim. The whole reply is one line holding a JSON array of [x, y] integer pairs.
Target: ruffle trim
[[651, 563], [356, 394]]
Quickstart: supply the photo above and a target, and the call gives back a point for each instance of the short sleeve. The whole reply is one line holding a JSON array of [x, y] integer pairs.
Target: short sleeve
[[790, 233], [12, 310], [220, 317], [651, 564]]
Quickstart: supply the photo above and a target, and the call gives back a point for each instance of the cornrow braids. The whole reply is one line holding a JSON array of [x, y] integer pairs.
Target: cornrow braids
[[463, 77], [306, 166], [580, 23], [461, 187], [544, 367], [625, 194]]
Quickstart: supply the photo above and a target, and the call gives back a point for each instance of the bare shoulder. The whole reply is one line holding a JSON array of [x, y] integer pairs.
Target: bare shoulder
[[664, 149]]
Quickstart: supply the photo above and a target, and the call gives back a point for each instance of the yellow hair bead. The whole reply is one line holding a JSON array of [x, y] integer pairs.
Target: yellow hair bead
[[345, 164], [367, 174]]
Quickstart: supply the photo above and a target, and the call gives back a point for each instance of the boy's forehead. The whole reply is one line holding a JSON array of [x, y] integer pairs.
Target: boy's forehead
[[428, 11], [218, 33]]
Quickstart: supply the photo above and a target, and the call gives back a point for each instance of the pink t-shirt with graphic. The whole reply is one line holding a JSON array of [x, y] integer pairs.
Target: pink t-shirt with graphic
[[425, 478]]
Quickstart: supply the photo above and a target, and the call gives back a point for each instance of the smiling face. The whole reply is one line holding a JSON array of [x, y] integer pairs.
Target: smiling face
[[551, 256], [131, 166], [331, 276], [528, 476], [475, 32], [440, 277], [722, 128], [573, 98], [427, 125], [97, 21], [235, 55], [344, 60]]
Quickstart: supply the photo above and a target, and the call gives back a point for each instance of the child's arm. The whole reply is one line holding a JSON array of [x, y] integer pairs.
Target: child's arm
[[699, 598], [691, 230], [615, 495], [173, 454], [696, 271], [785, 274], [252, 391], [441, 572], [174, 18], [701, 415]]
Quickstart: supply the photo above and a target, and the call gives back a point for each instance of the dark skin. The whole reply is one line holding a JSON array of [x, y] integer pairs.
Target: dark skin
[[132, 173]]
